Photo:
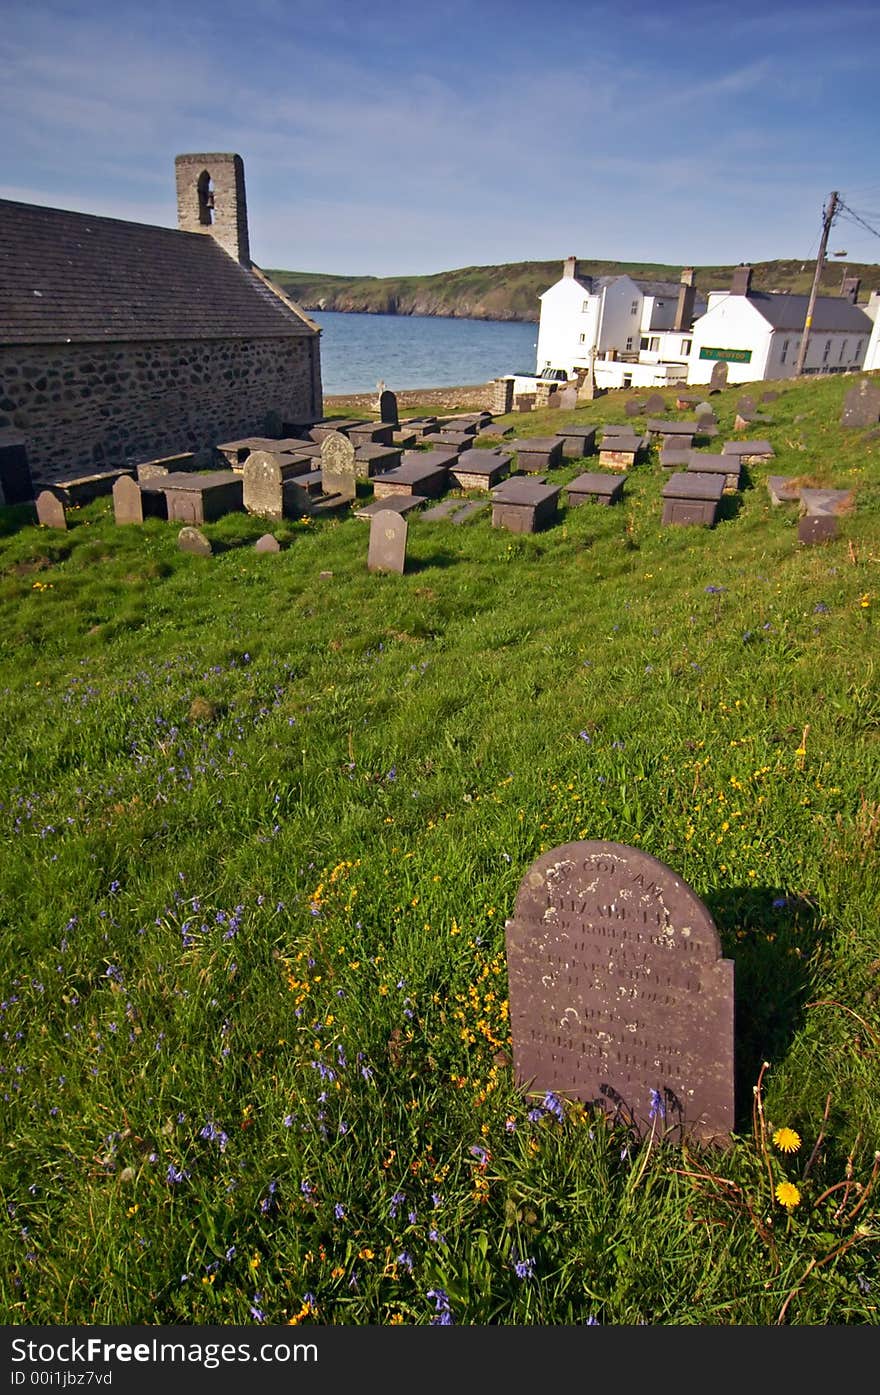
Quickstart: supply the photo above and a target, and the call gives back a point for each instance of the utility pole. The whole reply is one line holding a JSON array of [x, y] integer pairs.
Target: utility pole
[[828, 214]]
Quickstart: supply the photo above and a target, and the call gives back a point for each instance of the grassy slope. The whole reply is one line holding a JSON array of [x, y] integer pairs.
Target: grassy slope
[[253, 1026], [511, 291]]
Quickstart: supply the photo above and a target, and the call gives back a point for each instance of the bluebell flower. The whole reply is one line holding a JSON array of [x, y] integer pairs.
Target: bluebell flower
[[657, 1109], [339, 1211], [524, 1268]]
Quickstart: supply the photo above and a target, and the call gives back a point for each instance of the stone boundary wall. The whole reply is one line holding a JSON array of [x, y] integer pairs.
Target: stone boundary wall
[[91, 407], [447, 397]]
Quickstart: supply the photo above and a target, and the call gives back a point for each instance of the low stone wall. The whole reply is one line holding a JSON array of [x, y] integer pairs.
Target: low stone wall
[[445, 398], [89, 407]]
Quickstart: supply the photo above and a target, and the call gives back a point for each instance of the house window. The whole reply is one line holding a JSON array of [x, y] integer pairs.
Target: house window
[[585, 308], [629, 344], [643, 343], [826, 351], [634, 308], [655, 346], [686, 345], [784, 355], [842, 351], [582, 338], [857, 356]]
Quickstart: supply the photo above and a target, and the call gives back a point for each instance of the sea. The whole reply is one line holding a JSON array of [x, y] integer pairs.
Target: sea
[[419, 351]]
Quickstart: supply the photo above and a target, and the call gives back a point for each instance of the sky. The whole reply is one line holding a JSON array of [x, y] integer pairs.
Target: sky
[[382, 138]]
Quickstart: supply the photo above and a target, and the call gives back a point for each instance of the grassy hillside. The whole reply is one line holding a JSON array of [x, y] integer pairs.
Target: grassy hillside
[[511, 292], [262, 819]]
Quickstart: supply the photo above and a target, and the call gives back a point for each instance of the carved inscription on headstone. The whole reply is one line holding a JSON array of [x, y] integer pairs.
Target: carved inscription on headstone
[[618, 993], [262, 482], [861, 406], [338, 468]]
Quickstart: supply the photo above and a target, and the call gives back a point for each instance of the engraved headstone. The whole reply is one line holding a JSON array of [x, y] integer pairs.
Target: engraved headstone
[[618, 992], [193, 540], [338, 465], [388, 408], [568, 398], [50, 510], [267, 543], [861, 406], [387, 549], [718, 379], [263, 484]]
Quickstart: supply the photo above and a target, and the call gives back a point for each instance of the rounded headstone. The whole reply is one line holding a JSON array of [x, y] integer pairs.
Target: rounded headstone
[[267, 543], [618, 993], [387, 548], [262, 484], [193, 540], [50, 509]]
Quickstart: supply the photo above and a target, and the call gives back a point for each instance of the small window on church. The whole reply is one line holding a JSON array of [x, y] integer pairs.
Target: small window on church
[[206, 198]]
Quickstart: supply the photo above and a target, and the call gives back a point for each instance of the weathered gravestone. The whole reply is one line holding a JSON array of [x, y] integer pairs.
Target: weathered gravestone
[[50, 510], [267, 543], [655, 403], [703, 412], [338, 466], [193, 540], [388, 408], [861, 406], [718, 379], [387, 549], [128, 502], [633, 408], [568, 397], [618, 993], [263, 485]]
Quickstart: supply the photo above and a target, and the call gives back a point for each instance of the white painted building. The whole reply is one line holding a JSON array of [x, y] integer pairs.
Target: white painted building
[[872, 355], [758, 334]]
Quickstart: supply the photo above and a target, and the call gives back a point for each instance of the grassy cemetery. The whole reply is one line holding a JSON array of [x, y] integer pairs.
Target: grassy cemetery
[[264, 816]]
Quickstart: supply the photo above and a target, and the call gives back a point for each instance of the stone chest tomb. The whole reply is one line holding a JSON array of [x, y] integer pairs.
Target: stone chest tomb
[[619, 996]]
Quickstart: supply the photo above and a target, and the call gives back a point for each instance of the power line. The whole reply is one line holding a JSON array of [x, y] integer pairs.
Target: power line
[[845, 209]]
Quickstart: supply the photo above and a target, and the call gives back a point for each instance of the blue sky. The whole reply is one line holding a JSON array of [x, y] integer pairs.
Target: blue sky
[[381, 139]]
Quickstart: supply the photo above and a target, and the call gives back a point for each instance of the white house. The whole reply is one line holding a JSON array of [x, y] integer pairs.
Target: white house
[[628, 331], [758, 334], [872, 356]]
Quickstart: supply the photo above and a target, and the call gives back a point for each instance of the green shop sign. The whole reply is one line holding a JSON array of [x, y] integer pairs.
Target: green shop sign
[[731, 355]]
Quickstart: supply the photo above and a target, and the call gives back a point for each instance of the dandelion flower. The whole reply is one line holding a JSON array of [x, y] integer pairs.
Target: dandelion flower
[[788, 1195], [786, 1140]]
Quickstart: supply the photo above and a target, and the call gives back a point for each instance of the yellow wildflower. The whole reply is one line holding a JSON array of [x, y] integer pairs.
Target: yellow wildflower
[[786, 1140], [788, 1195]]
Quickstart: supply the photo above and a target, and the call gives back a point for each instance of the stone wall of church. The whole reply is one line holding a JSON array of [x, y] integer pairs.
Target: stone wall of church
[[87, 407]]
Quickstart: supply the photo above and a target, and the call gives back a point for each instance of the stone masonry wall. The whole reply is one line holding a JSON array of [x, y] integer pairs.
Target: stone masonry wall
[[89, 407]]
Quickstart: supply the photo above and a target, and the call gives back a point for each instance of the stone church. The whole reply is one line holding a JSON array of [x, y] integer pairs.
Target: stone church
[[122, 342]]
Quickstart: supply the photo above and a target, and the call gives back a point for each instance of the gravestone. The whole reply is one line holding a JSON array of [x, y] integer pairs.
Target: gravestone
[[718, 379], [618, 992], [128, 501], [338, 466], [861, 406], [703, 412], [655, 403], [50, 510], [267, 543], [568, 398], [388, 408], [387, 549], [263, 485], [817, 528], [633, 408], [273, 424], [747, 406], [193, 540]]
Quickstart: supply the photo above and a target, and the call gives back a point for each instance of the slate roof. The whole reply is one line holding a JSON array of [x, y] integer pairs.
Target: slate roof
[[74, 278], [829, 313]]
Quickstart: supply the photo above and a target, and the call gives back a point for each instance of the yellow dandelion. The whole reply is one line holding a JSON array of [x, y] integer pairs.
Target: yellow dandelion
[[788, 1195], [786, 1140]]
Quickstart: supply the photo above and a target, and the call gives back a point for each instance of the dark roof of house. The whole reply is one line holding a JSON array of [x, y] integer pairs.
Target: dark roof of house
[[829, 313], [74, 278]]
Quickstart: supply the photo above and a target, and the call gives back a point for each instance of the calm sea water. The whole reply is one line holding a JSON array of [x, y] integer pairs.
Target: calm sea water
[[413, 351]]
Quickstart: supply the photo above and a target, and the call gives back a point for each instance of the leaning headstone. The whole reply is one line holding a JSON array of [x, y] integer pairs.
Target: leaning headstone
[[388, 408], [387, 550], [193, 540], [50, 510], [267, 543], [338, 466], [618, 993], [263, 485], [128, 501], [861, 406], [718, 379]]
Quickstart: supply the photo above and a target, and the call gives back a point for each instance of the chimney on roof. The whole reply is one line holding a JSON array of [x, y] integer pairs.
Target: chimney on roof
[[742, 280], [570, 266], [684, 310], [211, 199], [850, 289]]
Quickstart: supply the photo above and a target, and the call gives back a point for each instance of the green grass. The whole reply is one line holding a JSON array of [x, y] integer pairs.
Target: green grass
[[253, 1031], [511, 291]]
